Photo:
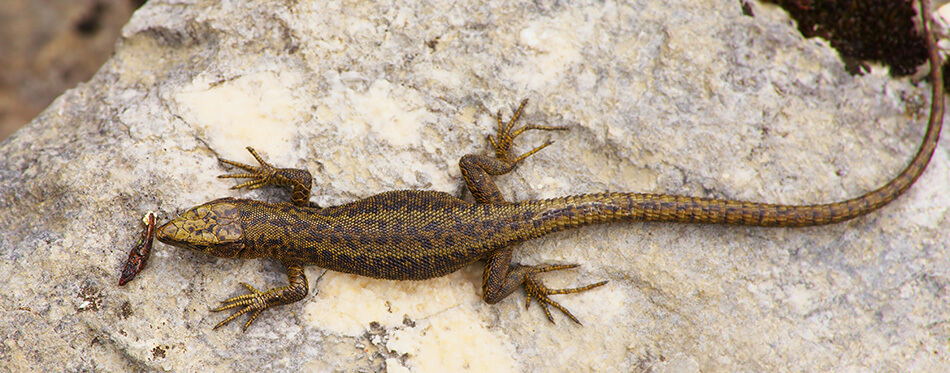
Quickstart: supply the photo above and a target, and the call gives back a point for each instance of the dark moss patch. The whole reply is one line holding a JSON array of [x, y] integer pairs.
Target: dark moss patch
[[863, 30]]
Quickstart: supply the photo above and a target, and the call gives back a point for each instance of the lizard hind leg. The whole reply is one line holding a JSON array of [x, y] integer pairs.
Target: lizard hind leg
[[506, 136], [478, 169], [502, 278]]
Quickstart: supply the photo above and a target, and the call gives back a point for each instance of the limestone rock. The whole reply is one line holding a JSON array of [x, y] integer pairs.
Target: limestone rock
[[686, 97]]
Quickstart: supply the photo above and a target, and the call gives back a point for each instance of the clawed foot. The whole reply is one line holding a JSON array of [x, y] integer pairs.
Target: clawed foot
[[506, 136], [255, 301], [265, 174], [260, 176], [534, 288]]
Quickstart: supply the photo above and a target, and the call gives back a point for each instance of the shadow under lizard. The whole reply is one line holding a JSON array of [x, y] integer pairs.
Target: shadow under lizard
[[416, 235]]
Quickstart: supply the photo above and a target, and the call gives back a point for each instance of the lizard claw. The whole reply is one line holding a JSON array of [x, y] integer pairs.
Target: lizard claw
[[265, 174], [535, 288], [255, 301], [503, 141], [260, 176]]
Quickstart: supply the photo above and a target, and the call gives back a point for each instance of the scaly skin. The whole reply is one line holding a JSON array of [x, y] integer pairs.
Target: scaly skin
[[415, 235]]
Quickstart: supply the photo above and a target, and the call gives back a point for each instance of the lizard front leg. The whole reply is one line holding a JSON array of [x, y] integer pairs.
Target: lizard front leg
[[257, 301], [297, 179], [501, 276]]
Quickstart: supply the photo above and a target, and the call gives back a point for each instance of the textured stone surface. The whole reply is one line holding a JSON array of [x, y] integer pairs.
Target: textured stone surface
[[684, 97], [50, 45]]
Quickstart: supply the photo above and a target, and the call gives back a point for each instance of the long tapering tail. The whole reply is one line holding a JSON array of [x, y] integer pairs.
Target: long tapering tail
[[567, 212]]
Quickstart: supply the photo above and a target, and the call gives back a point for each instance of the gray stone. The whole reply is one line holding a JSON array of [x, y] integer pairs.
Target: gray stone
[[685, 98]]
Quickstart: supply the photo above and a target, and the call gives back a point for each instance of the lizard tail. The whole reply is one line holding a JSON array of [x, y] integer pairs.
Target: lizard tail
[[573, 211]]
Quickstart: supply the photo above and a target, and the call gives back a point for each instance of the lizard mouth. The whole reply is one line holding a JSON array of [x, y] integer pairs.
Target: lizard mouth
[[165, 232]]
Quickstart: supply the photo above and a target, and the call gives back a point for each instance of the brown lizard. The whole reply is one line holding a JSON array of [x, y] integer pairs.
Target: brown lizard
[[416, 235]]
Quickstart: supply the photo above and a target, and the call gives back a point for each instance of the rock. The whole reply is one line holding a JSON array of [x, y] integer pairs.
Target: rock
[[687, 98]]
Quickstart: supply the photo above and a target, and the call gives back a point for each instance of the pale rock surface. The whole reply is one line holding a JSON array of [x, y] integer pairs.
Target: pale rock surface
[[686, 97]]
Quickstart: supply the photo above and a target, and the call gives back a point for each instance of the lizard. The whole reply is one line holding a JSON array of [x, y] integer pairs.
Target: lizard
[[417, 234]]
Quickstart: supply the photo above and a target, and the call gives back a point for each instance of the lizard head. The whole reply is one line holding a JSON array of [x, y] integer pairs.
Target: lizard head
[[212, 228]]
